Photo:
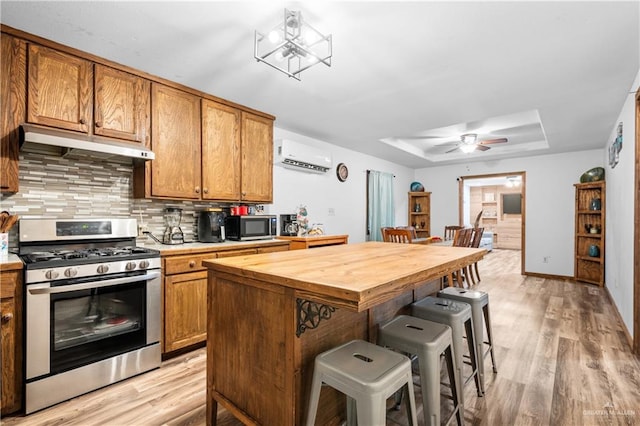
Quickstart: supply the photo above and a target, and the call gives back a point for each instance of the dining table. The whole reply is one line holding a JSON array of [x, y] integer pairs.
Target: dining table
[[270, 314]]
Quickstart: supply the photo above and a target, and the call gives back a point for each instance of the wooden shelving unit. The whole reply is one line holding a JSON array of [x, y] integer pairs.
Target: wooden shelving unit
[[489, 203], [420, 213], [590, 233]]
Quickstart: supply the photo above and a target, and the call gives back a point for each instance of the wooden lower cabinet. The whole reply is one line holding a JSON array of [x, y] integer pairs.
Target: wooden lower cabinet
[[185, 294], [11, 339], [185, 310]]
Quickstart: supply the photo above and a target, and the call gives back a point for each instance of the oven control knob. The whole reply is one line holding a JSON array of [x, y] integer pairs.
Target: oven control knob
[[144, 264], [70, 272], [103, 269], [130, 266], [51, 275]]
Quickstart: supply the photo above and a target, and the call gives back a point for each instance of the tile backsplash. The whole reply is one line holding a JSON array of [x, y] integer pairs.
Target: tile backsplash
[[80, 186]]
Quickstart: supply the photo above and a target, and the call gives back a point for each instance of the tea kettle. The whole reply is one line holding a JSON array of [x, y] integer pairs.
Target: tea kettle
[[211, 225]]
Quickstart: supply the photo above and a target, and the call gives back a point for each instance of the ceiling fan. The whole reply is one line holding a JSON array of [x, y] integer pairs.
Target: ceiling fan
[[469, 142]]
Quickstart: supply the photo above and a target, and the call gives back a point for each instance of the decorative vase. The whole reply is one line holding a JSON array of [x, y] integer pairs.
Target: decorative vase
[[594, 251], [596, 204], [592, 175]]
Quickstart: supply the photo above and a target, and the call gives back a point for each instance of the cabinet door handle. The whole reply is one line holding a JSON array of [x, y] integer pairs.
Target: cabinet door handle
[[7, 317], [205, 190], [197, 189], [82, 121], [98, 124], [192, 263]]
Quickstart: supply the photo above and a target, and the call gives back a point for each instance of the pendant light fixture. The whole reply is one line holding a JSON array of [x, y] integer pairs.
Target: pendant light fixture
[[293, 46]]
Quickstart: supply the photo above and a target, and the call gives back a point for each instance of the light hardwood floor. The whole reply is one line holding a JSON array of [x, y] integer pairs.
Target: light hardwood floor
[[562, 360]]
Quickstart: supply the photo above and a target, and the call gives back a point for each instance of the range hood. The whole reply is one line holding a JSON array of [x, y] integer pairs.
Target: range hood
[[33, 137]]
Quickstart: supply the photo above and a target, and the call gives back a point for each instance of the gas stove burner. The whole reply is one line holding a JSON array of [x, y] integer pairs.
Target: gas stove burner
[[65, 243]]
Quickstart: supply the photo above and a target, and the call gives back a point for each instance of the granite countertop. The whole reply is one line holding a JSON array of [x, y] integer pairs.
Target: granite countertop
[[197, 247], [14, 262], [11, 262]]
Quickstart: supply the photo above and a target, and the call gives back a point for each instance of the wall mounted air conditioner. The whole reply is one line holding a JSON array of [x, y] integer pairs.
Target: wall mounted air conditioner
[[294, 155]]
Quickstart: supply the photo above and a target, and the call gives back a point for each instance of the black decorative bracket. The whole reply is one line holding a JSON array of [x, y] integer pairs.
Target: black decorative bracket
[[310, 314]]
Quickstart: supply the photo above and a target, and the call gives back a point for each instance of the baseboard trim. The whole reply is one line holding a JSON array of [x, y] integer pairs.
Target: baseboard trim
[[549, 276], [617, 313]]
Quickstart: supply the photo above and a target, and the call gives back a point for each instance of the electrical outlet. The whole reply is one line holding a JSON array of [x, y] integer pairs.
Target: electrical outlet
[[142, 228], [546, 259], [332, 211]]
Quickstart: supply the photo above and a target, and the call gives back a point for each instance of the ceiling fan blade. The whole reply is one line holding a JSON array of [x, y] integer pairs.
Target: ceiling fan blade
[[482, 148], [492, 141], [454, 149]]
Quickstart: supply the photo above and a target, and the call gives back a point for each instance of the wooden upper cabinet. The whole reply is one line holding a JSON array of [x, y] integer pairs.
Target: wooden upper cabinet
[[257, 158], [220, 151], [60, 89], [13, 93], [122, 105], [175, 140]]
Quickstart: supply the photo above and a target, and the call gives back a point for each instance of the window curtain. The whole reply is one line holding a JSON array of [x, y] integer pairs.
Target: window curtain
[[381, 209]]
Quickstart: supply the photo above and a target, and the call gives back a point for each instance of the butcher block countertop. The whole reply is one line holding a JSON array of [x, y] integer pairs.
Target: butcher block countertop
[[352, 276]]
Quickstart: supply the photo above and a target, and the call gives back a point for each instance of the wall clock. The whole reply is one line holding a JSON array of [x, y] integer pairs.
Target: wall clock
[[342, 172]]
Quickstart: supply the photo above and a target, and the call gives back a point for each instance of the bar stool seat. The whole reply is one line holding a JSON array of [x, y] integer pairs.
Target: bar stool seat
[[428, 341], [479, 302], [367, 374], [456, 315]]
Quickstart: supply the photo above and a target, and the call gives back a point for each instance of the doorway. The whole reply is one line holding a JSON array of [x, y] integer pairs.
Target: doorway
[[497, 203]]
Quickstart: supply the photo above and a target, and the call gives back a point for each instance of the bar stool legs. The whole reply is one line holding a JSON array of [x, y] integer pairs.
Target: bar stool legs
[[368, 374], [479, 302], [428, 341], [456, 315]]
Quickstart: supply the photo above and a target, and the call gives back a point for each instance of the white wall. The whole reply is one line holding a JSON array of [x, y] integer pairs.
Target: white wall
[[550, 205], [619, 210], [322, 192]]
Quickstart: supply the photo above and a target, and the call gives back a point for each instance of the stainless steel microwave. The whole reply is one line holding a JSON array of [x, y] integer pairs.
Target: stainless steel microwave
[[251, 227]]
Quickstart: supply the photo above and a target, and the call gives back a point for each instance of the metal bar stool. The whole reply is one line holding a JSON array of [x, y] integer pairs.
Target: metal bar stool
[[479, 301], [456, 315], [428, 341], [368, 374]]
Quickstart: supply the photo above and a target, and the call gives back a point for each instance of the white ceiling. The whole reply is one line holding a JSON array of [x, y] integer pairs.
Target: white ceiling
[[550, 76]]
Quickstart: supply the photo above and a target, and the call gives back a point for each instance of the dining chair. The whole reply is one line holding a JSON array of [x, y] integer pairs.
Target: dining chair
[[412, 229], [399, 236], [383, 231], [462, 238], [475, 243], [477, 222], [450, 230]]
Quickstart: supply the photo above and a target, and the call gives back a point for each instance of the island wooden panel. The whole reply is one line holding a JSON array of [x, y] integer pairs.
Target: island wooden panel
[[260, 351]]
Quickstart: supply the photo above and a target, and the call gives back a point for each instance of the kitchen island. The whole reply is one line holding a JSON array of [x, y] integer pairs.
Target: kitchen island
[[270, 314]]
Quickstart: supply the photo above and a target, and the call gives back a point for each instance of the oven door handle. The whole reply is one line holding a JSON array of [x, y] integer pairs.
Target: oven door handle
[[94, 284]]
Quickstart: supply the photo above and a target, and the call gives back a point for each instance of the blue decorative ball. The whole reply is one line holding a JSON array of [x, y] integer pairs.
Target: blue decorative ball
[[416, 187]]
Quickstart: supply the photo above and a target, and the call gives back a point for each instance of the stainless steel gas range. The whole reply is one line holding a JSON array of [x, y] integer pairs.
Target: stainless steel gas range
[[92, 306]]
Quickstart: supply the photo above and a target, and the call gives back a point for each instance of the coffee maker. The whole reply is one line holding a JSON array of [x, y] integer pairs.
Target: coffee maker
[[172, 232], [288, 225], [211, 225]]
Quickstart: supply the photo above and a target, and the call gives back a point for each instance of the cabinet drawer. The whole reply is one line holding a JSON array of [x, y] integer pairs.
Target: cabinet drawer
[[186, 263]]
